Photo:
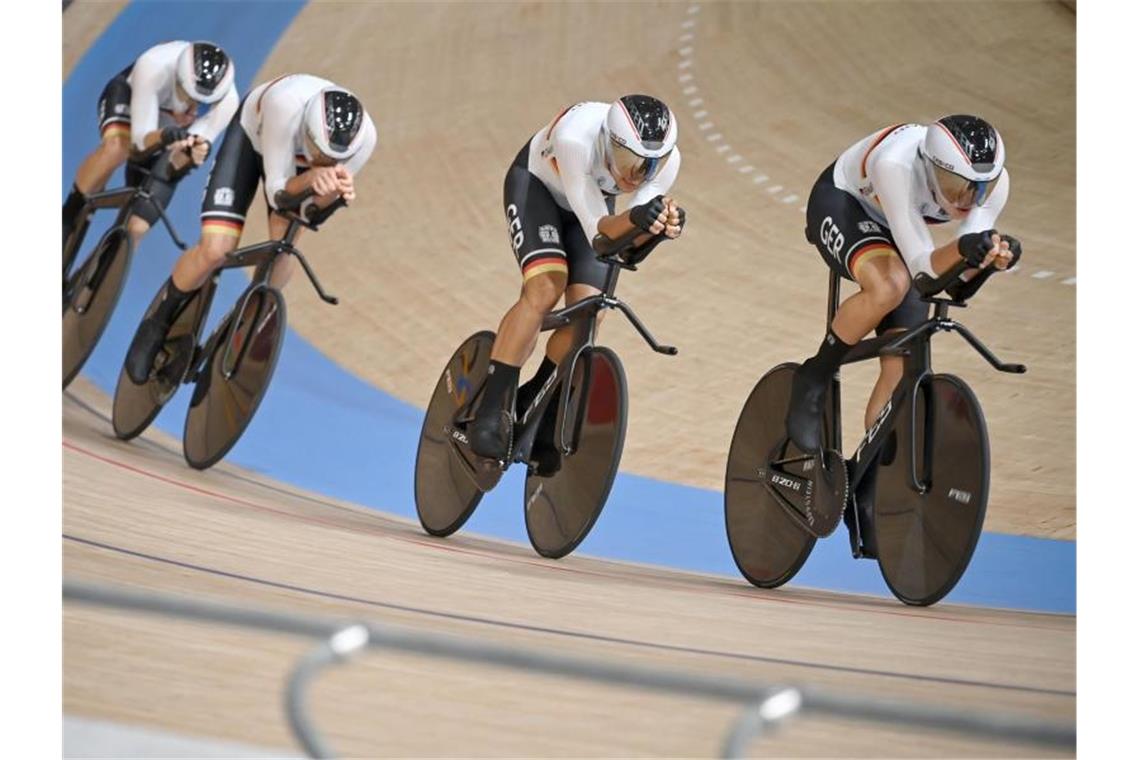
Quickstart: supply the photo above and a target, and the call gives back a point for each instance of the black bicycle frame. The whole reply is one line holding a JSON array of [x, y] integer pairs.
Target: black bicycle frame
[[261, 256], [124, 199], [914, 347], [584, 316]]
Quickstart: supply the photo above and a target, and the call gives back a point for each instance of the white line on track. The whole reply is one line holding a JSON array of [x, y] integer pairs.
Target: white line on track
[[1044, 274], [723, 148]]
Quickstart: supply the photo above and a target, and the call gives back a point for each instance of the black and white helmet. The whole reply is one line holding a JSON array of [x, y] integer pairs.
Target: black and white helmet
[[964, 156], [205, 72], [641, 132]]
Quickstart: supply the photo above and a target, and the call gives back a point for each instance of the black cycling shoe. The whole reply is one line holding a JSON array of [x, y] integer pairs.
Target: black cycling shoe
[[491, 434], [804, 420], [144, 349]]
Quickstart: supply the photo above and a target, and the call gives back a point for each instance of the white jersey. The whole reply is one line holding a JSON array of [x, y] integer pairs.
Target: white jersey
[[272, 118], [568, 157], [885, 172], [155, 101]]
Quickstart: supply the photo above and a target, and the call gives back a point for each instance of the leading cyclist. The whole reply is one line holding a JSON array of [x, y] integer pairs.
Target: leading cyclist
[[868, 215]]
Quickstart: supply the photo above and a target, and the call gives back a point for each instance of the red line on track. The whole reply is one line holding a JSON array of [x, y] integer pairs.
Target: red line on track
[[545, 564]]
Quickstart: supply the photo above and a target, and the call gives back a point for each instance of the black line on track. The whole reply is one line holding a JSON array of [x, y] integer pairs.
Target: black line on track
[[174, 453], [565, 633]]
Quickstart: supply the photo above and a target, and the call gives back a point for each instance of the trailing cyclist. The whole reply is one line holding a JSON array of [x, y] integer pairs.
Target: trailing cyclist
[[295, 133], [178, 95]]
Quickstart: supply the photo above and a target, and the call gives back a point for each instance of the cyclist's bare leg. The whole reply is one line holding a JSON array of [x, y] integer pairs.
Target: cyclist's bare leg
[[890, 373], [283, 266], [136, 228], [518, 332], [195, 265], [490, 436], [883, 282], [98, 167], [559, 343]]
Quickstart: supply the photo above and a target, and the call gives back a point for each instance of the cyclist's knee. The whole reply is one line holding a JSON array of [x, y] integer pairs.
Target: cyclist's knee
[[542, 292], [137, 227], [889, 287], [116, 147], [212, 249]]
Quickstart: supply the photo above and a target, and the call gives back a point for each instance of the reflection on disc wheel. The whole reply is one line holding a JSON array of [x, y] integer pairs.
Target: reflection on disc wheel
[[768, 546], [94, 291], [561, 509], [446, 493], [926, 540], [234, 379]]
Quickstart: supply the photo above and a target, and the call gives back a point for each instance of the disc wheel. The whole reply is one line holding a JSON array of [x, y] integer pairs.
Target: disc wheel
[[446, 488], [768, 545], [92, 292], [136, 406], [562, 508], [234, 379], [926, 540]]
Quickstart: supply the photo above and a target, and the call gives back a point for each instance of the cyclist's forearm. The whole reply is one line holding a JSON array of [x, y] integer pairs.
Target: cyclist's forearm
[[617, 225], [945, 257], [151, 140], [295, 185]]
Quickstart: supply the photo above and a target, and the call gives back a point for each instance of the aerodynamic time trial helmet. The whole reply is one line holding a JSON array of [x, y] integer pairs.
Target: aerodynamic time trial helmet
[[640, 132], [332, 123], [205, 72], [964, 156]]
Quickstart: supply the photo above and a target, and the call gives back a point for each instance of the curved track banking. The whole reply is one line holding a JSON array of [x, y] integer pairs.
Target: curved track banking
[[136, 515], [744, 292]]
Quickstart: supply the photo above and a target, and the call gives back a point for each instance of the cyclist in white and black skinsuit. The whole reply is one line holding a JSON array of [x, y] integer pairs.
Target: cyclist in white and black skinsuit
[[180, 94], [293, 133], [868, 215], [559, 201]]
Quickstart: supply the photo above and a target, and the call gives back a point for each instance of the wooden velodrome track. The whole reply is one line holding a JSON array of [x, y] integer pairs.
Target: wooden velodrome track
[[455, 89]]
